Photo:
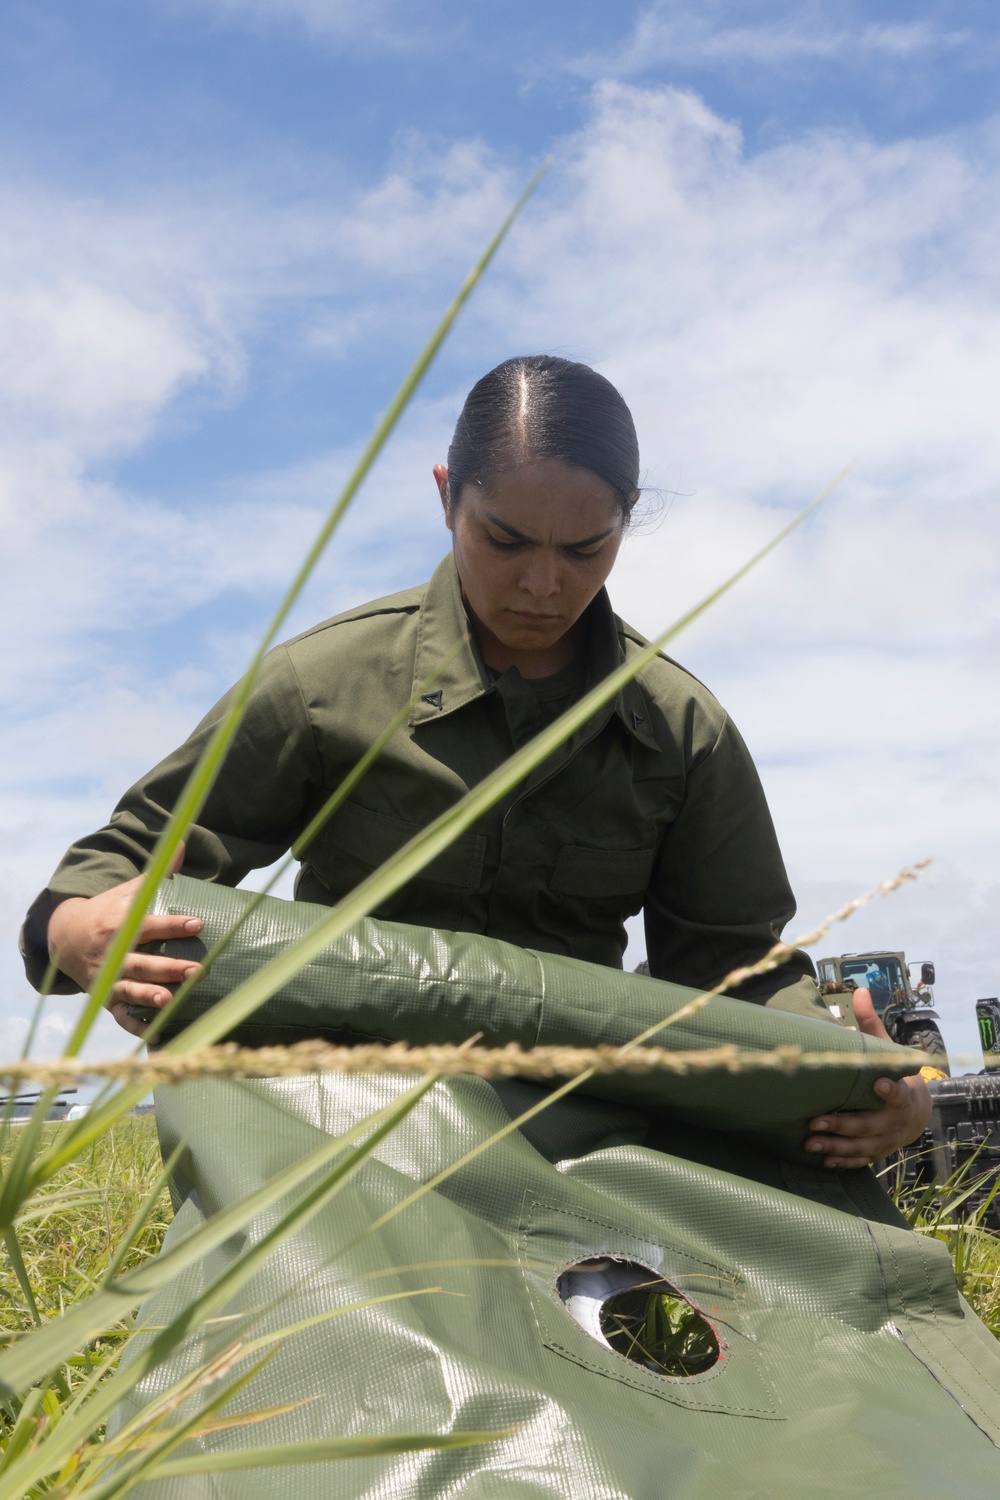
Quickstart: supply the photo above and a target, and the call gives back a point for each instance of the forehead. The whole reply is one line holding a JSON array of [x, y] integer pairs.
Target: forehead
[[548, 498]]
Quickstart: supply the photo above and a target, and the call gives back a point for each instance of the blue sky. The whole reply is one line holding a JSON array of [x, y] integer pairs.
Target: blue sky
[[226, 226]]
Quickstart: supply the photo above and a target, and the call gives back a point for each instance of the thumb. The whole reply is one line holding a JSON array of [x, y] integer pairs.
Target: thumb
[[867, 1017], [888, 1089], [178, 858]]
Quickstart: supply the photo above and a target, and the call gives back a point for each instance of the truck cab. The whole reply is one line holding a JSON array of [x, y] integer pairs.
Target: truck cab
[[906, 1010]]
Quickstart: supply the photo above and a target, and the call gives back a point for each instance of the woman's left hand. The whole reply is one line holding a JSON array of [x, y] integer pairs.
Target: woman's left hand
[[862, 1136]]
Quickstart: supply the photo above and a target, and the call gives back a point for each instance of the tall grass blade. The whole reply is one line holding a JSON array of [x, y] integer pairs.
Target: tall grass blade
[[48, 980], [302, 843], [322, 1451], [24, 1429], [13, 1245], [142, 1462], [134, 1432], [20, 1179], [80, 1135], [36, 1354], [142, 1214]]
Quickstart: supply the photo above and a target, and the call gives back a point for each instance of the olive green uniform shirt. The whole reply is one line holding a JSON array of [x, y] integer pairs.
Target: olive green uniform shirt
[[655, 804]]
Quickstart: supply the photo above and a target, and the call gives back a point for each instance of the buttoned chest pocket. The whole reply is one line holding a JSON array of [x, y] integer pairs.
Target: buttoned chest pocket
[[613, 873]]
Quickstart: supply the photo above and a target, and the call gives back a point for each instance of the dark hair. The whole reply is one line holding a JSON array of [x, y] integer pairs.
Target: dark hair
[[539, 406]]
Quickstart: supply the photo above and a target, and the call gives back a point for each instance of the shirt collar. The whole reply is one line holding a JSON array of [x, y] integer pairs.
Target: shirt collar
[[443, 631]]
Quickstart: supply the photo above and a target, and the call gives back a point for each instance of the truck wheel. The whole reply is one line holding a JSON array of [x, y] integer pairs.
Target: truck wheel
[[928, 1039]]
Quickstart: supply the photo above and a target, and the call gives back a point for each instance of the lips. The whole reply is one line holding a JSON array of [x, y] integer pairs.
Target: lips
[[531, 619]]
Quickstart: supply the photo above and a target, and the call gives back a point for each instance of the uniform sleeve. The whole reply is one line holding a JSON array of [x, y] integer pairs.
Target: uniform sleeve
[[259, 802], [719, 896]]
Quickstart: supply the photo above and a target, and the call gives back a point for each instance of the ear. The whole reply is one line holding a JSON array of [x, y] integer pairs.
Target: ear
[[441, 480]]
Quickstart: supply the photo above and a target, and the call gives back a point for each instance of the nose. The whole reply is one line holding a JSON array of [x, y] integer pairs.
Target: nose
[[540, 575]]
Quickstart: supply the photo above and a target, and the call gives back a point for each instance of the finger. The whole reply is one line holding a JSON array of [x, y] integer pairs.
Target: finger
[[856, 1123], [177, 859], [848, 1163], [893, 1091], [868, 1148], [131, 992], [131, 1024], [167, 928], [149, 968]]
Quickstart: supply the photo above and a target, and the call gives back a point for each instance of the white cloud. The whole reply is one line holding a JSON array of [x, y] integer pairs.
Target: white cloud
[[91, 362], [770, 318], [768, 35], [767, 318], [54, 1028], [109, 313], [429, 197]]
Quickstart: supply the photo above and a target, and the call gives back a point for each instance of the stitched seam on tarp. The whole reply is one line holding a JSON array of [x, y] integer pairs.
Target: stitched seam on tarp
[[666, 1387], [611, 1229], [950, 1382], [673, 1393], [539, 996], [944, 1374], [307, 715]]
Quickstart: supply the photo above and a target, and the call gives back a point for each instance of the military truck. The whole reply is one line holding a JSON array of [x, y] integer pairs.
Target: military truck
[[906, 1010]]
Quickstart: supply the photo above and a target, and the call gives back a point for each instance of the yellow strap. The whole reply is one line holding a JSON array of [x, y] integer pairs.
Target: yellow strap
[[931, 1074]]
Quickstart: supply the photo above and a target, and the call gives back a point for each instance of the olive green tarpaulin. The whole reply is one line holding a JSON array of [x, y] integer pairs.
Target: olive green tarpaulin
[[849, 1364]]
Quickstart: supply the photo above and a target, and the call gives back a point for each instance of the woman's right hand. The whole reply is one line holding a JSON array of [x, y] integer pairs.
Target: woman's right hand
[[81, 928]]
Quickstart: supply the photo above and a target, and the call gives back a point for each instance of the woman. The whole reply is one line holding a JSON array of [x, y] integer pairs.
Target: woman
[[655, 804]]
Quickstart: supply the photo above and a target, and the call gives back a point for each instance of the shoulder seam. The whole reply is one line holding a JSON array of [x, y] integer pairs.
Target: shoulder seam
[[362, 612], [313, 737], [639, 640]]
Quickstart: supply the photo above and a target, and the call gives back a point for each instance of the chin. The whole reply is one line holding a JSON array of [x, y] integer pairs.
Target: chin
[[531, 640]]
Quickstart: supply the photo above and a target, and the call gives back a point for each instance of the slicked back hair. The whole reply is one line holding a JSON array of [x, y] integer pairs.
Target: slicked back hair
[[539, 406]]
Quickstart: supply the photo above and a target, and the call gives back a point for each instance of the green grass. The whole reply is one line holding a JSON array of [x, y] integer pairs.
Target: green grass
[[68, 1241], [975, 1254], [974, 1250]]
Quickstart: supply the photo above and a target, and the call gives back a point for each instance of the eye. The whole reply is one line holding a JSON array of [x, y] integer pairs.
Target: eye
[[502, 544]]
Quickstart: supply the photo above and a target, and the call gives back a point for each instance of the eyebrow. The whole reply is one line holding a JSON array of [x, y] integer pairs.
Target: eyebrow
[[519, 536]]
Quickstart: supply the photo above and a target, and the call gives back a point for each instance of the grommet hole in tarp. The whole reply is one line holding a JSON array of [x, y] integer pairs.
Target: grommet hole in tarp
[[635, 1312]]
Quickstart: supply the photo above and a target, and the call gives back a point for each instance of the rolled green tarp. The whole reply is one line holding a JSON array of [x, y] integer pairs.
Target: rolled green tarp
[[832, 1353], [389, 981]]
